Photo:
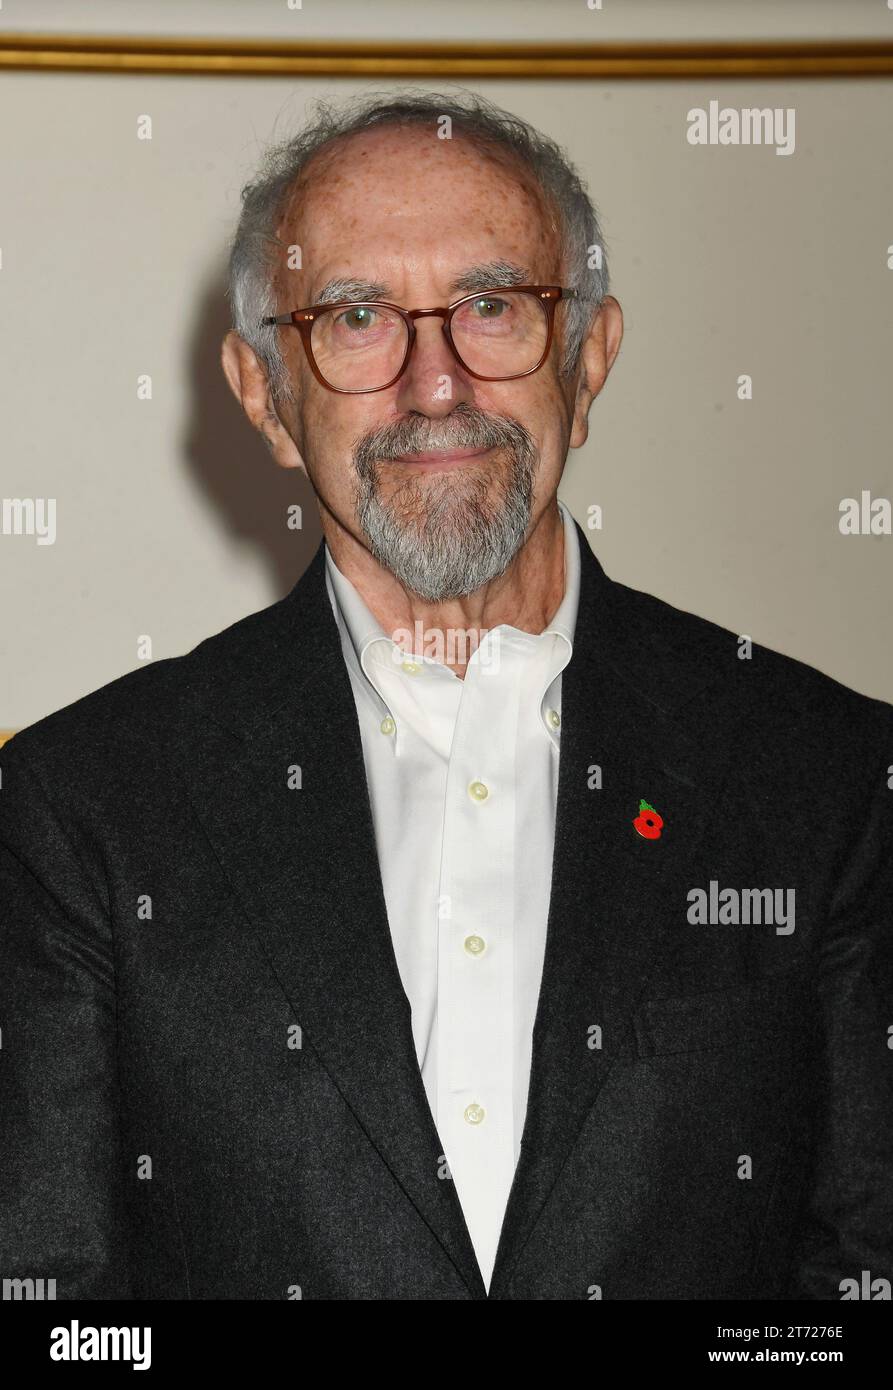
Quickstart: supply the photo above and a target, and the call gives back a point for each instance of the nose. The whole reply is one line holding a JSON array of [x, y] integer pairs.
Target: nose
[[434, 381]]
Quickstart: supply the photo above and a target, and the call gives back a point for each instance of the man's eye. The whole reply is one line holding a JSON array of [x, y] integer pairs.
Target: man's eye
[[489, 308], [356, 318]]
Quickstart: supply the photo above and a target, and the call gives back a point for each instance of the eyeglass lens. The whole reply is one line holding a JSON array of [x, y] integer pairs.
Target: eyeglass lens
[[361, 346]]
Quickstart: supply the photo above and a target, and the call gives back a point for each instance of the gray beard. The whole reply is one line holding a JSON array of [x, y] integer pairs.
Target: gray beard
[[447, 535]]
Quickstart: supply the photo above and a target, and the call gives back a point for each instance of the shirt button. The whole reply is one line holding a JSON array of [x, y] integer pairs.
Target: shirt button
[[474, 1114], [412, 668], [475, 945], [554, 718], [478, 791], [387, 725]]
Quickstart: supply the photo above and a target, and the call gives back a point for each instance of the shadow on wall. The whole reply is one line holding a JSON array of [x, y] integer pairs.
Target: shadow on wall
[[230, 462]]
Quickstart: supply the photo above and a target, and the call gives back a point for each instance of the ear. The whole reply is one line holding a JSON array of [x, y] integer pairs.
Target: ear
[[249, 384], [599, 349]]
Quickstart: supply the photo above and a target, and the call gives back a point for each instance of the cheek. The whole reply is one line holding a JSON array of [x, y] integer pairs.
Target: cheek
[[332, 425], [538, 404]]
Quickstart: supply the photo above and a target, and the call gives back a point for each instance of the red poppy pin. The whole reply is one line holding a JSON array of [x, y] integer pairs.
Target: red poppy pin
[[648, 823]]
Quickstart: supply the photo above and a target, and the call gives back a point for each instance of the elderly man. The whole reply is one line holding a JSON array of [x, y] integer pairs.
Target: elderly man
[[465, 924]]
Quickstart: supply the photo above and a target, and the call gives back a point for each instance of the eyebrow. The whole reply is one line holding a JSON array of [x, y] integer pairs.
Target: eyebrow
[[489, 275]]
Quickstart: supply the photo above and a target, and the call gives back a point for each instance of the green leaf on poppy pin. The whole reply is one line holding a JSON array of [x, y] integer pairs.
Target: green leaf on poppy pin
[[644, 806]]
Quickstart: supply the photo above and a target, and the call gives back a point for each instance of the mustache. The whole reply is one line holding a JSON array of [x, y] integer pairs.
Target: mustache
[[466, 427]]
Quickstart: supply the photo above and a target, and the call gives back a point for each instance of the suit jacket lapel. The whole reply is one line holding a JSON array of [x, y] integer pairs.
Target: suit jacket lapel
[[304, 866], [608, 923]]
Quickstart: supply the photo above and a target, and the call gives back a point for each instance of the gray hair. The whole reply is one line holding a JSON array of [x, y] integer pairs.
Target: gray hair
[[256, 243]]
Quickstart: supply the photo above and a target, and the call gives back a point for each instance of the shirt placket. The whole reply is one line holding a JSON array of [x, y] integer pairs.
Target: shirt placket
[[476, 950]]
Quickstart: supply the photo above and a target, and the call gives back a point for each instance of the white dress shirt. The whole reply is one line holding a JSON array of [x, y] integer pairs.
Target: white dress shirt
[[463, 782]]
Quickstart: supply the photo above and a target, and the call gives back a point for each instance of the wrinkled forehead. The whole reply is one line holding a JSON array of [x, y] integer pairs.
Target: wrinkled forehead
[[404, 186]]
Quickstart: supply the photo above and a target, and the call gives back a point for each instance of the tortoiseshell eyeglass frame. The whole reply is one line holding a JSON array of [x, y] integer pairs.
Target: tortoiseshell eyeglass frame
[[304, 319]]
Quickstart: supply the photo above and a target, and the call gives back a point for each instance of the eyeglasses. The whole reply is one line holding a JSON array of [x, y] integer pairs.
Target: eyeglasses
[[365, 345]]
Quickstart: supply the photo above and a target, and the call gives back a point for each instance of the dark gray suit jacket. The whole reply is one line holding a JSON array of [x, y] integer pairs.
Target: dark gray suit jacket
[[728, 1133]]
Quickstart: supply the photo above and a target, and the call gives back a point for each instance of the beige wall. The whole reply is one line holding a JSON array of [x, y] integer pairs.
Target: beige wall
[[517, 20], [170, 515]]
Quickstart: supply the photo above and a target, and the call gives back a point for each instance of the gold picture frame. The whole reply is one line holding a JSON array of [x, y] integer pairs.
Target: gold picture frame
[[327, 58]]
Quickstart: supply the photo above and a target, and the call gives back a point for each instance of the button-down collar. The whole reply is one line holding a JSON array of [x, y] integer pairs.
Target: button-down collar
[[371, 653]]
